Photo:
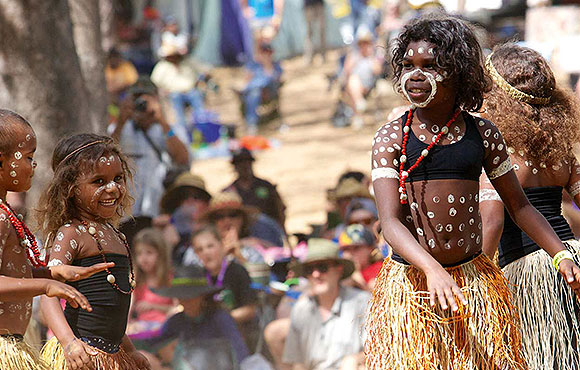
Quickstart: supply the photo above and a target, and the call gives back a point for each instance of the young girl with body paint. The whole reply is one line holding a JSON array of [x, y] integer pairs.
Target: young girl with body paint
[[541, 123], [20, 260], [78, 213], [425, 169]]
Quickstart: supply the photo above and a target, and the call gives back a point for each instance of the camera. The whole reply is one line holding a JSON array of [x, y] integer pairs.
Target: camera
[[141, 104]]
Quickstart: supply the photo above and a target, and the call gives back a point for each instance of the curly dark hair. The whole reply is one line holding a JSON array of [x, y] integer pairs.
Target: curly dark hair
[[544, 132], [458, 54], [56, 205]]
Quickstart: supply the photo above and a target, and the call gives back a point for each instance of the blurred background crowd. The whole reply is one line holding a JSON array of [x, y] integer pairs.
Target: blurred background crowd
[[248, 123]]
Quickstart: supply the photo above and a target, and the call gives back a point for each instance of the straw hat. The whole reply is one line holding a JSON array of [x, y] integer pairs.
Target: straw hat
[[227, 200], [320, 250], [350, 188], [188, 282], [185, 180]]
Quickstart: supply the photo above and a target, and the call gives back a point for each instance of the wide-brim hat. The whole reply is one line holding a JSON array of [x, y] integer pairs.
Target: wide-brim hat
[[351, 188], [188, 282], [185, 180], [321, 250], [227, 200]]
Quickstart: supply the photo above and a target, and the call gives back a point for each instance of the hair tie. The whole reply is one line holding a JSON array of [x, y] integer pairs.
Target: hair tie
[[81, 148], [509, 89]]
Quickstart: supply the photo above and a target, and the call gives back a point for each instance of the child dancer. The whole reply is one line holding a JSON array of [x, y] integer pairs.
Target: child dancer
[[426, 167], [540, 123], [77, 212], [19, 254]]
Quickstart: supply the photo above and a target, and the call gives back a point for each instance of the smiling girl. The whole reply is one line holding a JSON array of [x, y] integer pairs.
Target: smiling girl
[[426, 167], [78, 213]]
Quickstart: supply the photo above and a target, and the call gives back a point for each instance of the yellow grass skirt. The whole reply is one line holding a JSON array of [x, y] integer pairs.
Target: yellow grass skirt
[[15, 354], [548, 309], [53, 354], [405, 333]]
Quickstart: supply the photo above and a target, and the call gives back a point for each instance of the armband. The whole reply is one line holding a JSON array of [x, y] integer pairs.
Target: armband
[[560, 256]]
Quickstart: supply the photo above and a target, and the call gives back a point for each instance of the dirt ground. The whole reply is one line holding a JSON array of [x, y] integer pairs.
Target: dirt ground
[[312, 153]]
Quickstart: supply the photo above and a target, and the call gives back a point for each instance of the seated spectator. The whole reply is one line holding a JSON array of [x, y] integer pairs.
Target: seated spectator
[[346, 192], [362, 211], [264, 79], [177, 77], [148, 139], [224, 271], [203, 335], [361, 70], [185, 201], [120, 74], [254, 191], [326, 323], [243, 228], [358, 244], [148, 309]]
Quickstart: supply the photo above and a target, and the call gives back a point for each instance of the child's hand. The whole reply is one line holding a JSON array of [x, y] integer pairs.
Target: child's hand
[[571, 273], [73, 297], [75, 273], [140, 360], [442, 287], [78, 355], [232, 241]]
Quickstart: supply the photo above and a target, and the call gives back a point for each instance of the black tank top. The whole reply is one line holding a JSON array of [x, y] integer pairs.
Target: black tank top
[[105, 326], [515, 243], [461, 160]]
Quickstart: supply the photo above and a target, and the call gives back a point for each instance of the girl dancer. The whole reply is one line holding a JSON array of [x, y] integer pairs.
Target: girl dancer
[[78, 211], [426, 167], [540, 122]]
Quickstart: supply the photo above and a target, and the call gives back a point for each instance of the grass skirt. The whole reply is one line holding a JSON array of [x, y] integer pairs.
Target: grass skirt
[[53, 354], [15, 354], [549, 311], [405, 333]]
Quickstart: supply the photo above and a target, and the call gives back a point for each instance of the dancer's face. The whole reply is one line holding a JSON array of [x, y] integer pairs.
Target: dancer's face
[[422, 82], [99, 193], [18, 164]]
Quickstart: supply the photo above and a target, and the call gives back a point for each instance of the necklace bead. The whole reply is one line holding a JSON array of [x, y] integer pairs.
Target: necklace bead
[[111, 278], [404, 174], [92, 230]]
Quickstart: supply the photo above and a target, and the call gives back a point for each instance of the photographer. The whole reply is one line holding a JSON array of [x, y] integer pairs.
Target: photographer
[[146, 137]]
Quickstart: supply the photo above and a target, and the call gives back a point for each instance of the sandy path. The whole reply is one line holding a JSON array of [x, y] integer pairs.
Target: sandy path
[[312, 153]]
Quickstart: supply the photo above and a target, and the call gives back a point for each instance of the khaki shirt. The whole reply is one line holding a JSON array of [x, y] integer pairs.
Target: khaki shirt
[[319, 344]]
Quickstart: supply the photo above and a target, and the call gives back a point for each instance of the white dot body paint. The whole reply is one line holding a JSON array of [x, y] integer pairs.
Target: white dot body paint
[[429, 78], [420, 50], [28, 137], [18, 155], [411, 52]]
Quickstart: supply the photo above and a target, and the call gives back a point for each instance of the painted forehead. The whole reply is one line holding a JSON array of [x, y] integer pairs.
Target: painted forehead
[[420, 48]]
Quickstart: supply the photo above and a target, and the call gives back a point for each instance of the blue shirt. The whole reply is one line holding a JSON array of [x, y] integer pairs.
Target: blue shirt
[[216, 325], [260, 78], [262, 8]]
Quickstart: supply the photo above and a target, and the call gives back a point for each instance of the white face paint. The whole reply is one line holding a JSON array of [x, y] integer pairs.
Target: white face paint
[[430, 78]]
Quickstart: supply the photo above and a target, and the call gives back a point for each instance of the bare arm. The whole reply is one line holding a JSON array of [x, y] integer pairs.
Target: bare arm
[[492, 216], [244, 313], [175, 147]]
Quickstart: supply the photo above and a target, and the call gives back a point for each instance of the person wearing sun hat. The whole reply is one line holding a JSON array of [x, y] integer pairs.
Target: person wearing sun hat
[[358, 244], [327, 309], [200, 321]]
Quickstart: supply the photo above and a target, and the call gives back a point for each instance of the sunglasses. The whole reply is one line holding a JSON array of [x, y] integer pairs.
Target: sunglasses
[[321, 267], [226, 214]]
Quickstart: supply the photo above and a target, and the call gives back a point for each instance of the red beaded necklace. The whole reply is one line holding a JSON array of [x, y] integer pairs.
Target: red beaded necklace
[[27, 239], [110, 277], [404, 174]]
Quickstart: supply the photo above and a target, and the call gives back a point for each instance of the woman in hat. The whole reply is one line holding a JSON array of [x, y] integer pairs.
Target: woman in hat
[[201, 322], [541, 123]]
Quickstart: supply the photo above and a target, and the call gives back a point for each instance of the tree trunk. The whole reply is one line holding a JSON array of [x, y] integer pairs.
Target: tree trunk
[[86, 20], [40, 75], [107, 12]]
